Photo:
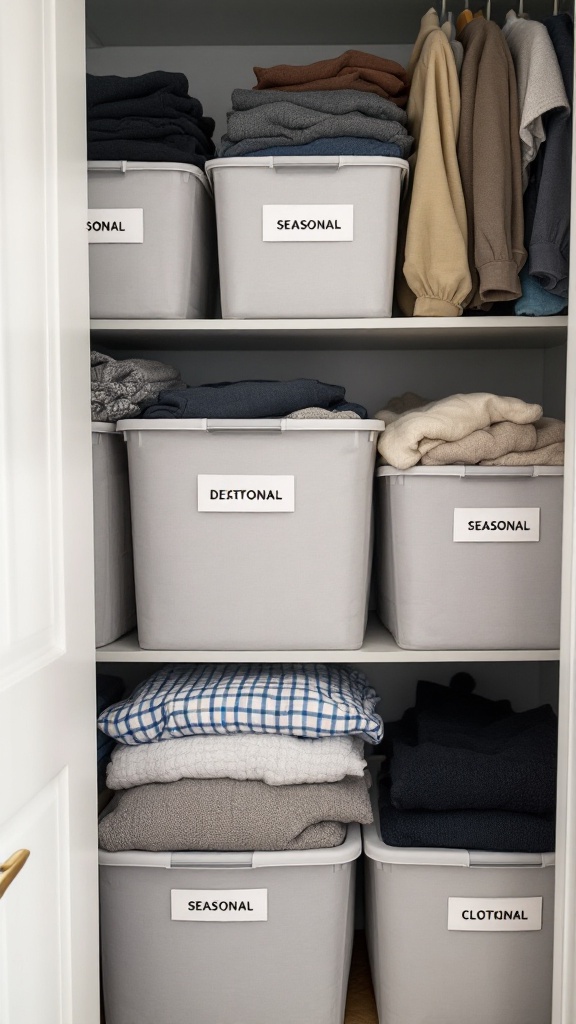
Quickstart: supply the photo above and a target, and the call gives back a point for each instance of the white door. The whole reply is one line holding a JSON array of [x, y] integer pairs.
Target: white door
[[48, 914]]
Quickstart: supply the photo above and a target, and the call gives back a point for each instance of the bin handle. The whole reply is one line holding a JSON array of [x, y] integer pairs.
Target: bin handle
[[211, 860], [271, 426], [305, 162]]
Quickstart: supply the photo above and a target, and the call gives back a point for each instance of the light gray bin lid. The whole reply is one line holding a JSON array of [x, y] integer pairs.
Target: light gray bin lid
[[328, 162], [377, 850], [348, 851], [256, 424]]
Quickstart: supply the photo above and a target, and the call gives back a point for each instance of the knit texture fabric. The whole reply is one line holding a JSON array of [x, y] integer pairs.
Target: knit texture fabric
[[413, 434], [342, 101], [224, 814], [250, 399], [345, 146], [540, 85], [535, 300], [275, 760], [120, 386], [490, 165], [505, 444], [287, 124], [353, 69]]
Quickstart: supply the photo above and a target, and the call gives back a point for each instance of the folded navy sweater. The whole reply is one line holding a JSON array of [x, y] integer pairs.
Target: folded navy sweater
[[250, 399]]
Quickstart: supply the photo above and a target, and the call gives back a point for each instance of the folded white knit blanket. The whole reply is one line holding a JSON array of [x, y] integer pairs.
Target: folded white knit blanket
[[412, 434], [276, 760]]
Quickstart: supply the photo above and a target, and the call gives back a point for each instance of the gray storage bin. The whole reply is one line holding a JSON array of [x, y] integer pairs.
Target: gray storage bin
[[319, 276], [113, 567], [243, 579], [436, 593], [292, 966], [171, 273], [425, 969]]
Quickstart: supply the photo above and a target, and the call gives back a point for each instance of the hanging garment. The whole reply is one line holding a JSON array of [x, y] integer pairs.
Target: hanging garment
[[224, 814], [549, 241], [288, 124], [535, 300], [449, 31], [275, 760], [435, 278], [415, 433], [353, 69], [490, 165], [540, 85], [147, 117]]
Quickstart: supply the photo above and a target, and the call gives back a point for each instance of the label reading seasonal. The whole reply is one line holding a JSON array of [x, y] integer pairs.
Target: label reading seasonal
[[308, 223], [219, 904], [496, 525], [245, 493], [494, 915], [115, 226]]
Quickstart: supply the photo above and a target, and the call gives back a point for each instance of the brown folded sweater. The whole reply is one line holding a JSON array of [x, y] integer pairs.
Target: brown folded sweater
[[226, 814], [353, 69], [504, 444]]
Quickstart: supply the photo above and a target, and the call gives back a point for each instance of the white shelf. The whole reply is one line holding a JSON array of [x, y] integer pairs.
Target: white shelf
[[378, 646], [490, 332]]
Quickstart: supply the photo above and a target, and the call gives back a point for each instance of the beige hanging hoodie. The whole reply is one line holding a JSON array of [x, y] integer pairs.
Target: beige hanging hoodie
[[436, 277]]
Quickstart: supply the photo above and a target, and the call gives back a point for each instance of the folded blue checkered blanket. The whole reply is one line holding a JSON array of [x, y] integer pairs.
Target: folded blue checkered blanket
[[297, 700]]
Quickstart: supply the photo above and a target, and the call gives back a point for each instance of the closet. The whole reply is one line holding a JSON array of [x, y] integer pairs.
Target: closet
[[48, 551]]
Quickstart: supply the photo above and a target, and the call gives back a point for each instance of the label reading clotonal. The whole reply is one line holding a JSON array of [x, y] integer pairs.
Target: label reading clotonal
[[219, 904], [115, 226], [308, 223], [245, 493], [496, 525], [494, 915]]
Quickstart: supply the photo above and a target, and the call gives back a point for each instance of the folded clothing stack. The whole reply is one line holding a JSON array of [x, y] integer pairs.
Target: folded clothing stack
[[255, 399], [314, 123], [240, 757], [119, 387], [469, 429], [149, 118], [469, 773]]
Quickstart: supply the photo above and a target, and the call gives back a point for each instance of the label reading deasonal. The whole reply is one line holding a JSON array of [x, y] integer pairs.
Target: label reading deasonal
[[115, 226], [219, 904], [496, 525], [494, 915], [245, 493], [308, 223]]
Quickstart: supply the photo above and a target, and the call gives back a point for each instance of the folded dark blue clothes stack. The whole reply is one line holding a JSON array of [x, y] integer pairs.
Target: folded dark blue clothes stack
[[148, 118], [341, 122], [466, 772], [251, 399]]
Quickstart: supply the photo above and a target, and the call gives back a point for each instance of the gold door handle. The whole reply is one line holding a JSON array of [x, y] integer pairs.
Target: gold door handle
[[10, 868]]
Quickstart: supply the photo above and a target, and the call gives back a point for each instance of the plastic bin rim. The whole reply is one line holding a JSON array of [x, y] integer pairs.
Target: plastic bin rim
[[318, 161], [250, 424], [347, 852], [103, 428], [480, 471], [137, 165], [377, 850]]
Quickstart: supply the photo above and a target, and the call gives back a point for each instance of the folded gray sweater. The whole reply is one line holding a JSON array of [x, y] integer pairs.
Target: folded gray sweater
[[340, 101], [226, 814], [120, 386], [287, 124]]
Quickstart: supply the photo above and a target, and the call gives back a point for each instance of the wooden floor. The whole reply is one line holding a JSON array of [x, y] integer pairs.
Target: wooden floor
[[360, 1005]]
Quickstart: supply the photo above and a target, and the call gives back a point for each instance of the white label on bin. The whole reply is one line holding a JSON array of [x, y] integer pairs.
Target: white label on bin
[[115, 226], [219, 904], [308, 223], [245, 493], [495, 915], [496, 525]]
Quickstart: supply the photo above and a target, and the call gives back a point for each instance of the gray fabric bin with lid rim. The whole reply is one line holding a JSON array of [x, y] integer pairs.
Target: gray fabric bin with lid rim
[[289, 968], [171, 274], [115, 603], [261, 580], [317, 277], [425, 973], [438, 594]]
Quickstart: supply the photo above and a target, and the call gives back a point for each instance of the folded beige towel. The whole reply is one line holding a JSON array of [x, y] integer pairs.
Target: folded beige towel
[[224, 814], [411, 435]]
